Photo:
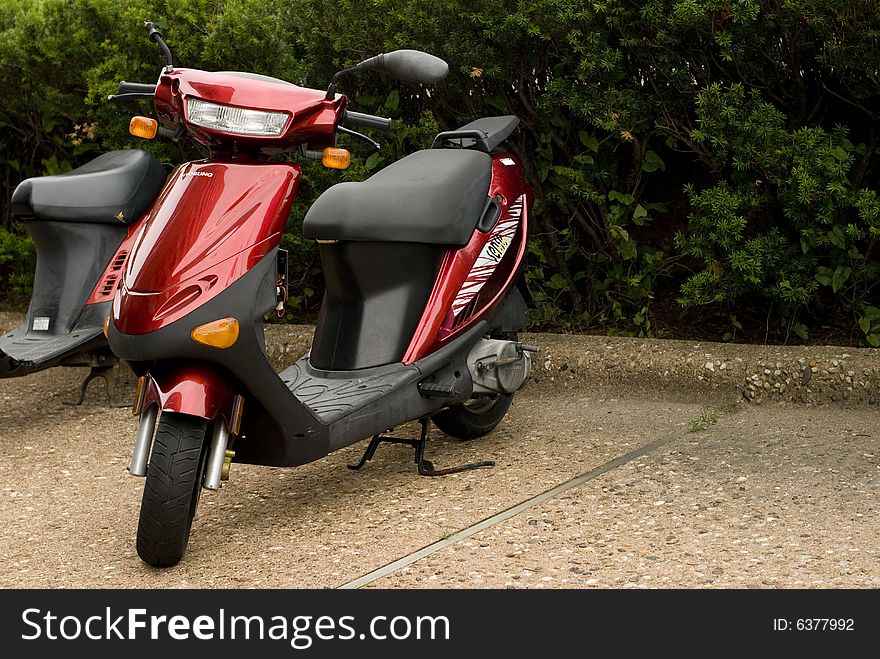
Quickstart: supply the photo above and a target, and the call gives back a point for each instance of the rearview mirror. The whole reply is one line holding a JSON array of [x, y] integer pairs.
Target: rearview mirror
[[413, 66], [409, 65]]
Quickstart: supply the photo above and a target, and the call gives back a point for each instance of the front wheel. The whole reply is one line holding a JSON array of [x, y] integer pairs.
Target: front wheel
[[475, 418], [172, 488]]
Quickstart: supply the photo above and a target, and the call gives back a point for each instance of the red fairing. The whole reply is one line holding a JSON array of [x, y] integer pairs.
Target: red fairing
[[111, 280], [474, 279], [193, 388], [312, 118], [212, 223]]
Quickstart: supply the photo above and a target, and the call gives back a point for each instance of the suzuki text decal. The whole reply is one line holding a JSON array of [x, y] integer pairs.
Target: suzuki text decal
[[490, 257]]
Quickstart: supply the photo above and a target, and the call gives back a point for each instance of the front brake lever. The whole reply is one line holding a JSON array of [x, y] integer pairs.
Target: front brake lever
[[354, 133]]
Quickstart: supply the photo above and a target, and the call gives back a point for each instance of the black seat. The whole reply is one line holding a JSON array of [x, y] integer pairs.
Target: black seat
[[433, 196], [117, 187]]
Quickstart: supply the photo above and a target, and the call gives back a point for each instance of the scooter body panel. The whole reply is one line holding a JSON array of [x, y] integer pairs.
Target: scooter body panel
[[111, 279], [62, 320], [195, 388], [475, 279], [211, 225], [312, 117]]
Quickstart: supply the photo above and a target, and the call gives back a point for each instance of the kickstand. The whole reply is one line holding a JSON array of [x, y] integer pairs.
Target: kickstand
[[105, 373], [426, 468]]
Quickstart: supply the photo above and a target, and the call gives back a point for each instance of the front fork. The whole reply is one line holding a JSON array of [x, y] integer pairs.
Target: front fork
[[217, 402]]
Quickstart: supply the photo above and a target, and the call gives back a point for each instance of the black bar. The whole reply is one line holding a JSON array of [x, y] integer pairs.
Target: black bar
[[512, 623]]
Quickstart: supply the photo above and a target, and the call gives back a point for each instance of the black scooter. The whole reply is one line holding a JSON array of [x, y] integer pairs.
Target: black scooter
[[82, 223]]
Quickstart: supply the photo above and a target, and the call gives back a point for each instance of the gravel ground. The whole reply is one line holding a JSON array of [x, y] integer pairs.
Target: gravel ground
[[772, 495], [69, 509]]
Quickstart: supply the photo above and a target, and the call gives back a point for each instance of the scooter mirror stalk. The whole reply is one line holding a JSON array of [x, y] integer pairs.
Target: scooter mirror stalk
[[156, 37]]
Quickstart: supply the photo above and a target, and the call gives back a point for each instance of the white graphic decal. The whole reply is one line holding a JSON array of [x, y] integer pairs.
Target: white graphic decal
[[491, 255], [508, 161], [198, 173], [41, 323]]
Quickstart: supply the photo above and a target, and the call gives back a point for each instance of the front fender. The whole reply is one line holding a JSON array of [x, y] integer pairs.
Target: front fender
[[196, 389]]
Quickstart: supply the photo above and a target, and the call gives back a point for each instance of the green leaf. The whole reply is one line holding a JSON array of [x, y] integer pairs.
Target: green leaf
[[619, 233], [657, 207], [373, 161], [874, 340], [589, 141], [837, 238], [625, 199], [628, 250], [823, 275], [840, 154], [653, 162], [393, 100], [841, 274], [865, 325], [640, 211], [556, 282]]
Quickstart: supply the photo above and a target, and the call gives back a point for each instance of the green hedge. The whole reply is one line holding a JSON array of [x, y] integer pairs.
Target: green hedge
[[719, 153]]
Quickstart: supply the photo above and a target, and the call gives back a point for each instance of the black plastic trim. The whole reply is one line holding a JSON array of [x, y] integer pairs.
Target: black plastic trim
[[375, 296], [491, 213]]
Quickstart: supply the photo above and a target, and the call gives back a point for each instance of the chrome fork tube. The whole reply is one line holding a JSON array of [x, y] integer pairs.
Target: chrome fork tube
[[214, 471], [143, 441]]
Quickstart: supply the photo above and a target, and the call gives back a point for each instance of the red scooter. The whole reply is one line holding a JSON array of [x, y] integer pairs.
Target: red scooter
[[421, 312]]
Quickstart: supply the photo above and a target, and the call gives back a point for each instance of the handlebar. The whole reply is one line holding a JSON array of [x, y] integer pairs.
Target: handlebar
[[136, 88], [366, 120]]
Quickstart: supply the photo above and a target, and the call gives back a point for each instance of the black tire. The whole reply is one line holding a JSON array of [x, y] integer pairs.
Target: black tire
[[172, 488], [475, 418]]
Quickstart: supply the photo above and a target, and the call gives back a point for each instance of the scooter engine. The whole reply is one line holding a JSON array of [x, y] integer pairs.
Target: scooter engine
[[498, 366]]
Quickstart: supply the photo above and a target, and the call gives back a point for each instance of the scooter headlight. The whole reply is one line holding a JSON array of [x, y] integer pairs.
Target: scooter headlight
[[239, 121]]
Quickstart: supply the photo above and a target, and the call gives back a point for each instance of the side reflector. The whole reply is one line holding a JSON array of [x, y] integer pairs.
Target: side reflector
[[218, 334], [237, 414], [143, 127], [139, 396], [336, 158], [107, 327]]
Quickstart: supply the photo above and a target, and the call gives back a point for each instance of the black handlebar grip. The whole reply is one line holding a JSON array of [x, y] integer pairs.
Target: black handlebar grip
[[136, 88], [366, 120], [153, 32]]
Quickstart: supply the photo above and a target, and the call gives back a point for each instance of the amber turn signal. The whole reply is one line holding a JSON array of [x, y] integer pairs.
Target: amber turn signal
[[143, 127], [107, 327], [336, 158], [218, 334]]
